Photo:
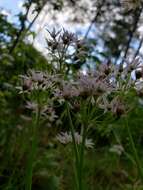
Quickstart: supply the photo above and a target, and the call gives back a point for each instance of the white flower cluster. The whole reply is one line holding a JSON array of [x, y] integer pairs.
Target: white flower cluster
[[36, 80], [118, 149], [66, 138]]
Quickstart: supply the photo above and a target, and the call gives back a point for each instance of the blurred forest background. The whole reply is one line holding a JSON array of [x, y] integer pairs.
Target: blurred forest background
[[109, 32]]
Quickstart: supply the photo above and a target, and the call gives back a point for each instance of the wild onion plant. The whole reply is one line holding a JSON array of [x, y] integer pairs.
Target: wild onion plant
[[105, 89], [36, 88], [85, 98]]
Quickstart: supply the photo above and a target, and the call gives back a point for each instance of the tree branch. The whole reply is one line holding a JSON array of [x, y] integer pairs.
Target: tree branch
[[21, 33], [136, 20], [94, 19], [21, 29]]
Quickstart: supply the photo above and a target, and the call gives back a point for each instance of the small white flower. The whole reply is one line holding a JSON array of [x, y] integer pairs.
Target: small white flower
[[118, 149], [37, 76]]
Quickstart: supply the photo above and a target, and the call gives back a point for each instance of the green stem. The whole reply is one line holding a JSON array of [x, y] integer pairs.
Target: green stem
[[75, 148], [78, 151], [137, 160], [81, 158], [30, 166]]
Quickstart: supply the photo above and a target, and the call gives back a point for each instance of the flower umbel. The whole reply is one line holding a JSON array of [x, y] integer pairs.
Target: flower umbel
[[66, 138]]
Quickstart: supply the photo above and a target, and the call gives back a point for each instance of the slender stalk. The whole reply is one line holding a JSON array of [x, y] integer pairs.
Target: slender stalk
[[138, 50], [78, 151], [30, 166], [81, 158], [135, 154], [94, 19], [72, 133], [75, 147]]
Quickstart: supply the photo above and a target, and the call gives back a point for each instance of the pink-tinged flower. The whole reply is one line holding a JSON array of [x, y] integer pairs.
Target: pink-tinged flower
[[69, 91], [90, 85], [37, 76], [37, 80]]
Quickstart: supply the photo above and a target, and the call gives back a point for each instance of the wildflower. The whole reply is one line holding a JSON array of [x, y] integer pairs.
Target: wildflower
[[49, 113], [86, 85], [104, 69], [117, 106], [66, 138], [69, 91], [26, 118], [54, 33], [103, 103], [89, 85], [37, 76], [131, 66], [53, 45], [68, 38], [89, 143], [118, 149], [31, 105], [37, 80]]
